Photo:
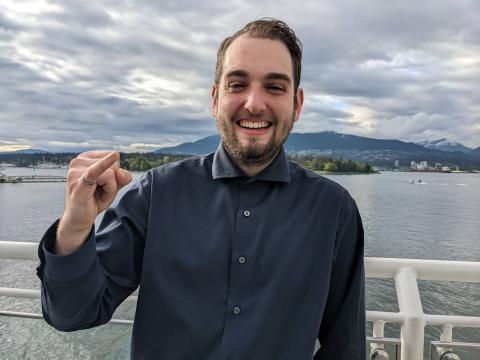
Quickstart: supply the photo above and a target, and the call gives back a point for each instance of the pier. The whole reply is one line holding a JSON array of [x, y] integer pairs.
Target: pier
[[30, 179]]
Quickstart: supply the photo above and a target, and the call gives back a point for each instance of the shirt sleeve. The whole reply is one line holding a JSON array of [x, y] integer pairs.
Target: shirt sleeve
[[83, 289], [342, 331]]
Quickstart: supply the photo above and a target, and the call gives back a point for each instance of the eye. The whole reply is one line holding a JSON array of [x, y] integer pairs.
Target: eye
[[236, 86], [276, 88]]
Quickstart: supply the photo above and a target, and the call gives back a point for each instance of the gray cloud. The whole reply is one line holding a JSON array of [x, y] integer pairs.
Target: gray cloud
[[111, 74]]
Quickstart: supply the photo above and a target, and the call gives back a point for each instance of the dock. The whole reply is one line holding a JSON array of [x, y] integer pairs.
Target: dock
[[31, 179]]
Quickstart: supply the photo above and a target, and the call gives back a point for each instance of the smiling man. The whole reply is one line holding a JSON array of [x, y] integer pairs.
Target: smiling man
[[239, 255], [255, 99]]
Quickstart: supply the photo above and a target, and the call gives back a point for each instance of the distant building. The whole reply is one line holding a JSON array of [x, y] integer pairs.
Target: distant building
[[397, 164], [413, 165], [423, 165]]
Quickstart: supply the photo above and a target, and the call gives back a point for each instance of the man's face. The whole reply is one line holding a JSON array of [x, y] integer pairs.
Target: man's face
[[254, 102]]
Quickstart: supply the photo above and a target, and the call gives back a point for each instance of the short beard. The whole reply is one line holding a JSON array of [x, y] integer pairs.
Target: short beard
[[253, 154]]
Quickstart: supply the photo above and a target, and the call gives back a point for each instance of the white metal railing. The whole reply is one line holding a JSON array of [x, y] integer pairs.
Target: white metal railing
[[17, 250], [405, 273]]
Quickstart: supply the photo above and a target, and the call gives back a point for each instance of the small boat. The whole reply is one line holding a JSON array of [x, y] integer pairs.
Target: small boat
[[418, 182]]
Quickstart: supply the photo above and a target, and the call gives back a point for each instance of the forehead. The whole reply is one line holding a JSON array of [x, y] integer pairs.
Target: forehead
[[258, 57]]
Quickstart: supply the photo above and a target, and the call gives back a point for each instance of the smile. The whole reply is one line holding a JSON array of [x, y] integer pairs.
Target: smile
[[249, 124]]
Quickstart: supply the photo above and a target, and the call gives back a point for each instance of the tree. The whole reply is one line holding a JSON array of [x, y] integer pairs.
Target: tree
[[330, 167]]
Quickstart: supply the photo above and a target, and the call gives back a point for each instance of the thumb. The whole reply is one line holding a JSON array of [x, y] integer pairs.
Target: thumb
[[123, 177]]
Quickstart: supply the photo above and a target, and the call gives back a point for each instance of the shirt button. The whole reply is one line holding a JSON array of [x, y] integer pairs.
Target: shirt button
[[246, 213], [242, 260], [236, 310]]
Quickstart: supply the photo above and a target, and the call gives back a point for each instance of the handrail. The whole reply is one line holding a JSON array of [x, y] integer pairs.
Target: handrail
[[18, 250], [405, 273], [384, 268]]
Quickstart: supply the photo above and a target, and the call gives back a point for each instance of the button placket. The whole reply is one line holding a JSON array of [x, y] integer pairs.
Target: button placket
[[239, 285]]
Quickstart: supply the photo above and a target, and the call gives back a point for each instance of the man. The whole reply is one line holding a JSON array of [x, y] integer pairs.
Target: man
[[239, 254]]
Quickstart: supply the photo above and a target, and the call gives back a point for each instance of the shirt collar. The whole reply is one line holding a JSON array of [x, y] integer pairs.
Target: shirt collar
[[224, 167]]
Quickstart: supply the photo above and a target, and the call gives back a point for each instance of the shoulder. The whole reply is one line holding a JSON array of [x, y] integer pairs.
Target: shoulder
[[193, 164], [192, 168], [311, 181], [321, 190]]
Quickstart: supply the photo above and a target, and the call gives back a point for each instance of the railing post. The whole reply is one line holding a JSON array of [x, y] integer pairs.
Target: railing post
[[410, 304], [377, 351], [378, 332], [446, 336]]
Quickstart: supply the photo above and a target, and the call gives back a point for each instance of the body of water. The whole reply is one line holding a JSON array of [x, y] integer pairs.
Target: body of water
[[438, 219]]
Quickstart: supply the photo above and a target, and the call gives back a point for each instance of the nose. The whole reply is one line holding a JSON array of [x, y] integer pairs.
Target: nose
[[255, 101]]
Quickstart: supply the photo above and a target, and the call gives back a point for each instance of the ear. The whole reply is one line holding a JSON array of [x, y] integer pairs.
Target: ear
[[214, 100], [299, 104]]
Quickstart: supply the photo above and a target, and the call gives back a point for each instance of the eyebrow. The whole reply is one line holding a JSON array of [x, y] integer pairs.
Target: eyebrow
[[278, 76], [238, 73], [269, 76]]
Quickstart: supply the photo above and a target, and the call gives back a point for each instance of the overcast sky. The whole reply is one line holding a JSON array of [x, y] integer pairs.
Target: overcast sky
[[137, 75]]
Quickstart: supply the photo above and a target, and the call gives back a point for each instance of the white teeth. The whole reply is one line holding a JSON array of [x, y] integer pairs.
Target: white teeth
[[254, 124]]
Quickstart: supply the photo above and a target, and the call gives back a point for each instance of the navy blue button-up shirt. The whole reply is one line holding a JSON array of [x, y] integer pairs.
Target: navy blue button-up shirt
[[229, 267]]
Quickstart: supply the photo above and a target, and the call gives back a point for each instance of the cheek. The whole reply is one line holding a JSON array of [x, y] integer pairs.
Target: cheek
[[283, 107], [228, 102]]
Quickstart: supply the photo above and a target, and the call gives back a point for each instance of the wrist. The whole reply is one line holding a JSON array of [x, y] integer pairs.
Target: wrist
[[68, 239]]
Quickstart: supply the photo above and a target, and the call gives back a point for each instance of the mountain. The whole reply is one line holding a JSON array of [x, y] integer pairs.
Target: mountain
[[31, 151], [331, 140], [444, 145], [475, 152], [199, 147], [301, 142], [377, 152], [26, 151]]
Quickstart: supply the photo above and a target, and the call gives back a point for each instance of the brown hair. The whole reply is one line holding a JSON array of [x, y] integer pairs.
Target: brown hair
[[266, 28]]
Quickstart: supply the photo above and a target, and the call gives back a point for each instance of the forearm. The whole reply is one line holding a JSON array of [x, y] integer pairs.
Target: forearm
[[72, 285], [83, 288]]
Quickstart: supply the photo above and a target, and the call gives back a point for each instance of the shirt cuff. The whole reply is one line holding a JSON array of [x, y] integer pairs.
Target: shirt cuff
[[66, 267]]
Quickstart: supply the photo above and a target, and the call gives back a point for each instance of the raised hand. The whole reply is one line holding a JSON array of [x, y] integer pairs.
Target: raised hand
[[93, 180]]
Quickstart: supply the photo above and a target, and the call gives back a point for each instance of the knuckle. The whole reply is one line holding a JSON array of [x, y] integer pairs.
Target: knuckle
[[75, 162], [72, 174]]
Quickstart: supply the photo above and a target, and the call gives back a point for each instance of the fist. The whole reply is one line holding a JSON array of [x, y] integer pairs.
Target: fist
[[93, 180]]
